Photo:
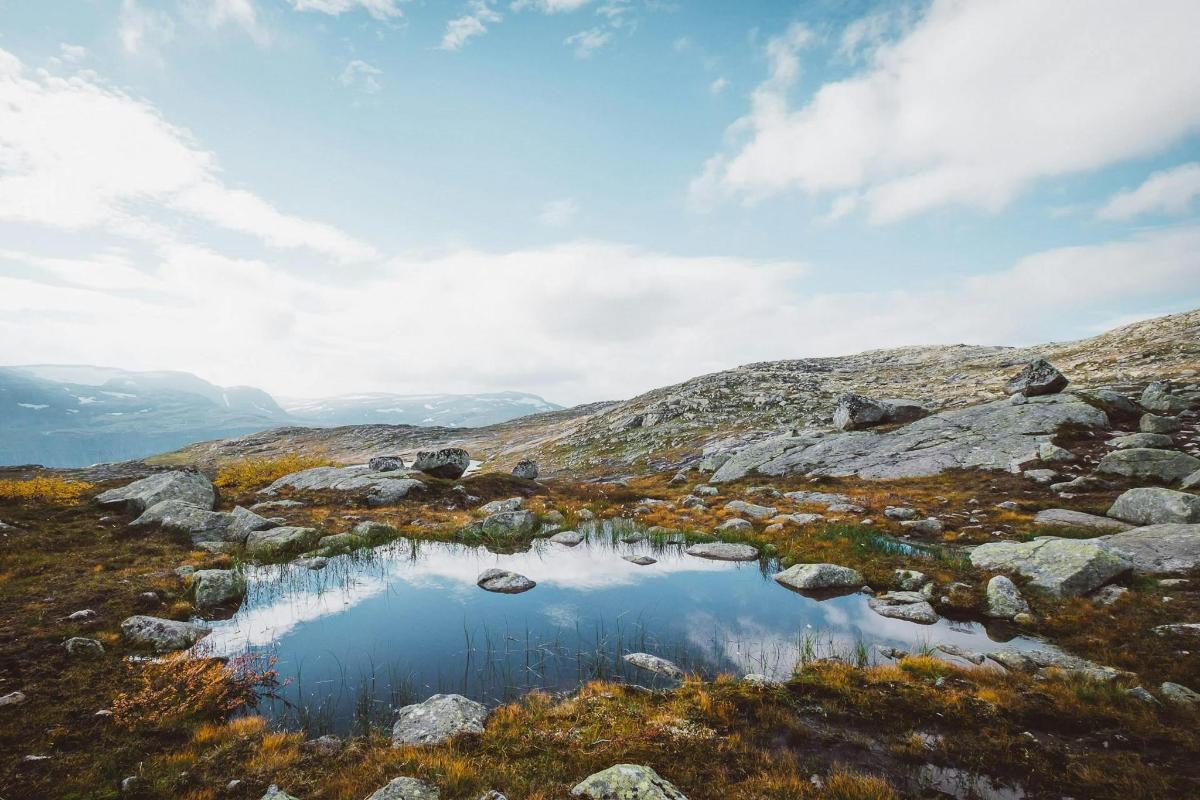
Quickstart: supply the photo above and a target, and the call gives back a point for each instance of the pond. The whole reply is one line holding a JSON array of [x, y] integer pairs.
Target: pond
[[392, 625]]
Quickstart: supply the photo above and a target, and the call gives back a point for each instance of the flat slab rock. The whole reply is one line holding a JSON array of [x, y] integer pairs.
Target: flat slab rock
[[437, 720], [162, 635], [652, 663], [627, 782], [1155, 506], [1060, 567], [1156, 549], [136, 497], [504, 582], [381, 487], [279, 541], [1066, 518], [724, 551], [1149, 463], [908, 606], [988, 436]]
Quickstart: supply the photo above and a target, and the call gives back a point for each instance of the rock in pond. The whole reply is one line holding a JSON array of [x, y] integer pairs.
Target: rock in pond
[[449, 462], [1004, 600], [1066, 518], [652, 663], [405, 788], [1152, 506], [641, 561], [162, 635], [437, 720], [280, 541], [136, 497], [212, 588], [909, 606], [818, 577], [1156, 549], [1060, 567], [569, 538], [527, 469], [1039, 377], [723, 551], [503, 581], [627, 782], [1167, 466]]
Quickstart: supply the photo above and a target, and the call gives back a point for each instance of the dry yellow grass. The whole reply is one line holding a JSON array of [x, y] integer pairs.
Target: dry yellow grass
[[254, 473], [51, 490]]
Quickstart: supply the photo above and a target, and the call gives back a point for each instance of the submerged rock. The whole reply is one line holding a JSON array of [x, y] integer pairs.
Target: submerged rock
[[1152, 506], [641, 561], [652, 663], [162, 635], [1039, 377], [1060, 567], [136, 497], [449, 462], [817, 577], [405, 789], [437, 720], [723, 551], [627, 782], [503, 581]]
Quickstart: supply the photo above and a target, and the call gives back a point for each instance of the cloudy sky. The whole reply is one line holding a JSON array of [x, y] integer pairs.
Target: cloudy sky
[[583, 198]]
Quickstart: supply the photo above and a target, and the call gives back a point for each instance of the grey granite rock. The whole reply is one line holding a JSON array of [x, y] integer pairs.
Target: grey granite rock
[[437, 720]]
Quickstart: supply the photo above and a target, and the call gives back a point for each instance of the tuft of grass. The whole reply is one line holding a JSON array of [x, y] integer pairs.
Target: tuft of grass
[[47, 490], [254, 473]]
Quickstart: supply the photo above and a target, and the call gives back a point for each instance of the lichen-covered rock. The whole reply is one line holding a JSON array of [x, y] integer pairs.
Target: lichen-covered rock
[[750, 509], [1162, 398], [1155, 506], [1179, 694], [1049, 451], [280, 541], [386, 463], [909, 606], [136, 497], [437, 720], [1037, 378], [627, 782], [449, 462], [1153, 423], [212, 588], [736, 524], [1116, 405], [1156, 549], [202, 524], [405, 788], [569, 538], [243, 522], [82, 647], [1004, 600], [504, 581], [819, 577], [909, 580], [381, 488], [1067, 518], [652, 663], [855, 412], [1167, 466], [1154, 441], [526, 468], [723, 551], [508, 523], [1060, 567], [162, 635], [496, 506]]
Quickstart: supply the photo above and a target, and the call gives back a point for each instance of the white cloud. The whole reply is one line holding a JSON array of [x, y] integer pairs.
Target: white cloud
[[379, 9], [239, 13], [1170, 191], [72, 53], [559, 213], [972, 104], [719, 85], [361, 75], [76, 154], [549, 6], [144, 31], [586, 43], [471, 24]]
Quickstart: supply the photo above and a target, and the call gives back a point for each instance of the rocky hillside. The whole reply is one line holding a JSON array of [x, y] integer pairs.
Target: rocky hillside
[[677, 424]]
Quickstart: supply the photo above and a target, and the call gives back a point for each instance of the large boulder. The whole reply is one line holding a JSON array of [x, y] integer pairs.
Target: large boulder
[[627, 782], [212, 588], [244, 522], [856, 412], [723, 551], [437, 720], [1059, 567], [989, 436], [280, 541], [1161, 397], [1167, 466], [405, 789], [526, 468], [503, 581], [1116, 405], [1154, 506], [449, 462], [162, 635], [201, 524], [819, 577], [1066, 518], [136, 497], [1156, 549], [1037, 378]]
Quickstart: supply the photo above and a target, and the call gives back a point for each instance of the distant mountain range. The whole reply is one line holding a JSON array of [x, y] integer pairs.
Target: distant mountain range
[[75, 415]]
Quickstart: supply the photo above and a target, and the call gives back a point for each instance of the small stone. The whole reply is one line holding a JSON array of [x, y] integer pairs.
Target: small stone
[[12, 699], [569, 538], [930, 526], [80, 647], [723, 551], [386, 463], [437, 720], [652, 663], [818, 577], [641, 561], [899, 512], [627, 782], [1054, 453]]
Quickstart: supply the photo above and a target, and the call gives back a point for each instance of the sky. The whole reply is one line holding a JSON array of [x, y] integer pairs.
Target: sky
[[584, 199]]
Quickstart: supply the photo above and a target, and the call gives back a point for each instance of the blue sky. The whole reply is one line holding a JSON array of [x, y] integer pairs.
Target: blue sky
[[583, 199]]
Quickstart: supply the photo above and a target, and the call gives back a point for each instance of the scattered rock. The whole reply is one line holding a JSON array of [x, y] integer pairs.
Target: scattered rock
[[1161, 397], [1038, 378], [1139, 693], [438, 719], [1060, 567], [1179, 629], [1042, 476], [212, 588], [449, 462], [496, 506], [136, 497], [930, 526], [1116, 405], [13, 699], [1156, 549], [818, 577], [1179, 694], [1004, 600], [569, 538], [280, 541], [1049, 451], [1153, 441], [275, 793], [652, 663], [735, 524], [503, 581], [910, 606], [527, 469], [641, 561], [1152, 506], [909, 580], [386, 463], [899, 512], [1152, 423], [509, 523], [958, 652], [627, 782], [723, 551], [82, 615], [1084, 483], [201, 524], [751, 510], [81, 647], [1066, 518], [405, 788], [162, 635], [1167, 466], [1107, 595]]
